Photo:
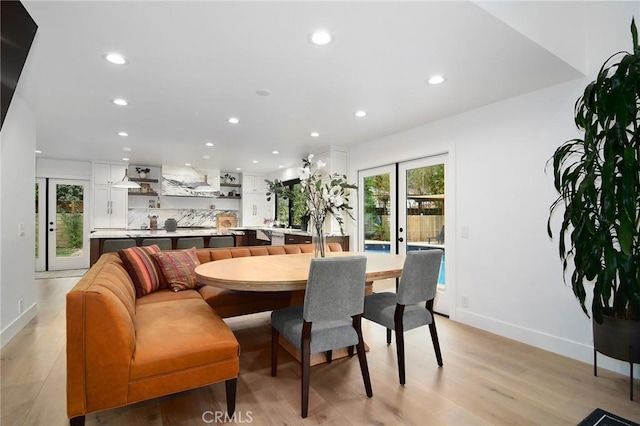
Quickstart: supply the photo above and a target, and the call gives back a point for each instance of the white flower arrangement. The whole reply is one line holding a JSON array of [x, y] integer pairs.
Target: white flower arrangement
[[323, 195]]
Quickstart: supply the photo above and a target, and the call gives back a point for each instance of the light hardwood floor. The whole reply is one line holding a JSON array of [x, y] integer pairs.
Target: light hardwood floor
[[486, 380]]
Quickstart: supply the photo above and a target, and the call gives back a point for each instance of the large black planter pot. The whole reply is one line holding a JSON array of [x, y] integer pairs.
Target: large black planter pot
[[619, 339]]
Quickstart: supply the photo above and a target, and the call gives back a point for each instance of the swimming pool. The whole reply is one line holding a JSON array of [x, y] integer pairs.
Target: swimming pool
[[380, 247]]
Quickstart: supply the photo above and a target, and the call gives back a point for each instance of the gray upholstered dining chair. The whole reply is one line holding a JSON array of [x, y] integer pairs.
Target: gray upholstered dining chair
[[188, 242], [226, 241], [162, 243], [402, 311], [330, 317], [113, 245]]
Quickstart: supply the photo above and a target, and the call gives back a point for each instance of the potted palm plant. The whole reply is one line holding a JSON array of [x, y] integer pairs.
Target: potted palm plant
[[598, 179]]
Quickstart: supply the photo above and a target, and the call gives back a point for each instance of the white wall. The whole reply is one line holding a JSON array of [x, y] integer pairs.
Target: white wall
[[17, 186], [508, 268], [63, 169]]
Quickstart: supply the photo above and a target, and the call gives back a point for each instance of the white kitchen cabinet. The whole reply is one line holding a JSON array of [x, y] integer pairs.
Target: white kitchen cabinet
[[106, 174], [252, 184], [253, 209], [109, 204]]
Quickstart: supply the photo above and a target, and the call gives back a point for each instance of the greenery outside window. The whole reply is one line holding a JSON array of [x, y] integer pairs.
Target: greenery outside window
[[290, 212]]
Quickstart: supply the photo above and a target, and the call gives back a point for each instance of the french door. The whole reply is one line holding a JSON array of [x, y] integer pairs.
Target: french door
[[67, 224], [402, 208]]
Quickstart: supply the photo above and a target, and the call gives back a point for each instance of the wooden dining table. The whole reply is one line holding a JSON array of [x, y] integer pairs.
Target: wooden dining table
[[289, 273], [286, 272]]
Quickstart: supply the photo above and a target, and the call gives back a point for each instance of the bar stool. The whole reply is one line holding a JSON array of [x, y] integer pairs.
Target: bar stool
[[226, 241], [185, 243], [110, 245], [162, 243]]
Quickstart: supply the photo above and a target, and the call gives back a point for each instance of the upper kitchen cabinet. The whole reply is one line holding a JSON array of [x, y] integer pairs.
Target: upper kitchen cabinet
[[106, 174], [109, 204], [252, 184]]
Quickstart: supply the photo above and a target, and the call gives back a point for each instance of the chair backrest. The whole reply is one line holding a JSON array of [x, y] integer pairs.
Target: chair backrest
[[226, 241], [335, 288], [419, 280], [188, 242], [113, 245], [163, 243]]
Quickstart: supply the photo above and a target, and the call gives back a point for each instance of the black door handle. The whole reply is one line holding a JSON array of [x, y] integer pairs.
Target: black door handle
[[401, 239]]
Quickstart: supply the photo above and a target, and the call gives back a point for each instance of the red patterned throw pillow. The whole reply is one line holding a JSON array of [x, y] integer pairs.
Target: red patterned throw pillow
[[178, 268], [141, 268]]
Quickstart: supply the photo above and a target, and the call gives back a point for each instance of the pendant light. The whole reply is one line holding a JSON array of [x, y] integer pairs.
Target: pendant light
[[206, 187], [125, 182]]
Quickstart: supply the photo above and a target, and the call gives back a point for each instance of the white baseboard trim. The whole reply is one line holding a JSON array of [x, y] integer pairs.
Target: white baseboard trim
[[576, 350], [10, 331]]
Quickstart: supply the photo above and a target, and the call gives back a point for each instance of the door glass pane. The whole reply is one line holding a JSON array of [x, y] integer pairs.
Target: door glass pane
[[425, 210], [377, 213], [69, 220]]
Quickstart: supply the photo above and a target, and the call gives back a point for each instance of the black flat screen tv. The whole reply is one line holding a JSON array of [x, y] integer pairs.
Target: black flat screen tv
[[18, 31]]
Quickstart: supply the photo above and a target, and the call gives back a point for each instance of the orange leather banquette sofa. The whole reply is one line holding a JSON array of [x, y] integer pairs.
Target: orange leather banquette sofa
[[123, 349]]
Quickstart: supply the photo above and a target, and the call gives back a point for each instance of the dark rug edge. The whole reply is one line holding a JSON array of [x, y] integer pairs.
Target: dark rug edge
[[600, 417]]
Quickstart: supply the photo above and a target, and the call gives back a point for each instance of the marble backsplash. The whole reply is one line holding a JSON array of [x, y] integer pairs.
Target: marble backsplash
[[138, 218]]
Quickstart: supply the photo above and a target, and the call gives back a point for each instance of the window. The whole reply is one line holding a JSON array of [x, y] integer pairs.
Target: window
[[290, 213]]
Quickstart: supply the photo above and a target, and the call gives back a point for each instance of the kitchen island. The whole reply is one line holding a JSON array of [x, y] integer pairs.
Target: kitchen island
[[98, 237], [255, 236]]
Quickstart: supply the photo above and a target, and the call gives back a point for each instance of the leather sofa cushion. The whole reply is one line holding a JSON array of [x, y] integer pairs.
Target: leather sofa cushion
[[179, 335], [166, 295]]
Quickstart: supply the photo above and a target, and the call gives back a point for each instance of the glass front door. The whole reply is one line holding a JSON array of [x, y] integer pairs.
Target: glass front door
[[402, 208], [378, 200], [421, 218], [67, 225]]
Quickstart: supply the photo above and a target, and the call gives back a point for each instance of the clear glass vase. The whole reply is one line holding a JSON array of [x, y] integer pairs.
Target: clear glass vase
[[319, 240]]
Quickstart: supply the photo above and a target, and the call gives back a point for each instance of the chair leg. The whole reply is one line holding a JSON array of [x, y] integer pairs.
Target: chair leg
[[77, 421], [329, 355], [399, 330], [306, 367], [350, 351], [436, 342], [275, 336], [362, 356], [595, 362], [388, 336], [231, 396], [434, 332]]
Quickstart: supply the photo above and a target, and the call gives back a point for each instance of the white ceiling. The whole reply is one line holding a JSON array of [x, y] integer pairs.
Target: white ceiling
[[192, 65]]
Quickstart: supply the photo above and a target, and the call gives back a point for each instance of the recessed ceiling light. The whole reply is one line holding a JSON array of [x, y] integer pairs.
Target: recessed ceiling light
[[126, 149], [360, 114], [116, 58], [275, 152], [124, 134], [280, 167], [206, 157], [125, 158], [263, 92], [38, 151], [121, 102], [238, 168], [233, 120], [187, 164], [314, 134], [255, 161], [321, 38], [435, 79], [209, 144]]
